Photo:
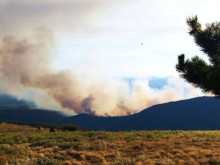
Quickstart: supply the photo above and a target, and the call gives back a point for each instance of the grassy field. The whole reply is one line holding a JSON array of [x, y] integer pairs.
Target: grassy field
[[29, 145]]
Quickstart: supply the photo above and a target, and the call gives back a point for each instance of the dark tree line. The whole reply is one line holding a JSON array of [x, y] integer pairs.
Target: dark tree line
[[195, 70]]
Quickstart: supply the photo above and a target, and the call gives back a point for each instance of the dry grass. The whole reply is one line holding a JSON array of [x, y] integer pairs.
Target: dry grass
[[28, 145]]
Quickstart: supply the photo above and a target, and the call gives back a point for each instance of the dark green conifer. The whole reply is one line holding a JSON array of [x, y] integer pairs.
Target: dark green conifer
[[195, 70]]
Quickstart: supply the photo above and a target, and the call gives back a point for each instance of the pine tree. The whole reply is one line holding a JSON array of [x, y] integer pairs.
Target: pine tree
[[195, 70]]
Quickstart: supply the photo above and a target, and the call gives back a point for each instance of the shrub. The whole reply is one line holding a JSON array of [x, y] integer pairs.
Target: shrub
[[123, 161], [69, 128], [52, 130], [47, 161]]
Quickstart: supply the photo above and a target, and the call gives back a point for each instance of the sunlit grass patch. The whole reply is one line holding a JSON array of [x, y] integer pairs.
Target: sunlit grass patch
[[41, 146]]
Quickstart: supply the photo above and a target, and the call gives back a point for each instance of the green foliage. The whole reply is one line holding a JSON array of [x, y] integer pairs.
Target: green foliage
[[196, 70], [11, 150]]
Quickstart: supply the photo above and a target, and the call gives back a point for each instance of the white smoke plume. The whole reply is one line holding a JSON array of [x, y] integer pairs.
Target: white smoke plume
[[27, 63]]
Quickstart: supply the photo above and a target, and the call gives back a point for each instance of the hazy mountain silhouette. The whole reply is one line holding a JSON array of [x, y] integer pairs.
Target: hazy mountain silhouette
[[20, 111], [11, 102], [202, 113]]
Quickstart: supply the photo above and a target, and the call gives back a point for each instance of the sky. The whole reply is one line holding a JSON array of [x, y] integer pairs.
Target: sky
[[138, 39], [124, 37]]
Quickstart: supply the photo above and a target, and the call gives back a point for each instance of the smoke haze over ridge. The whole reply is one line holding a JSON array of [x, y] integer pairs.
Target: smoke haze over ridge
[[27, 63], [108, 34]]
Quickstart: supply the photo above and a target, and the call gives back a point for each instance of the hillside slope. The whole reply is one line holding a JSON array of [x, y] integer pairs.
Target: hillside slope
[[21, 111], [202, 113]]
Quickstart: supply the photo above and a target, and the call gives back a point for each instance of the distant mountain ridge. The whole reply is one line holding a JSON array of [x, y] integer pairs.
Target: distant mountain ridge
[[21, 111], [7, 101], [202, 113]]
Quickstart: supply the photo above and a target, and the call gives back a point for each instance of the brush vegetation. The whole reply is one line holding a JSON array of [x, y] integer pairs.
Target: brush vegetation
[[22, 144]]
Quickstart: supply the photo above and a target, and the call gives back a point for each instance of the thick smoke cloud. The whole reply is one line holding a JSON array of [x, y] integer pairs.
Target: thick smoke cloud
[[19, 16], [27, 63]]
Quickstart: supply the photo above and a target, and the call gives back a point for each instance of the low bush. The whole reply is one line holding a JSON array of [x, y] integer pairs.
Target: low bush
[[47, 161], [69, 128]]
